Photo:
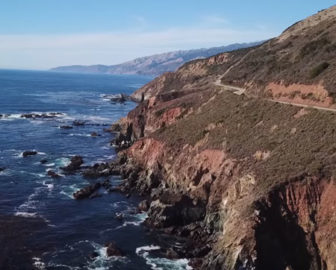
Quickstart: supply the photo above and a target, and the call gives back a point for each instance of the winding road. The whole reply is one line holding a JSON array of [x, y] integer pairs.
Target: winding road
[[241, 91]]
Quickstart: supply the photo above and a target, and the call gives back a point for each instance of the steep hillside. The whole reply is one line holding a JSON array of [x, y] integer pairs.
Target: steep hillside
[[155, 64], [228, 162]]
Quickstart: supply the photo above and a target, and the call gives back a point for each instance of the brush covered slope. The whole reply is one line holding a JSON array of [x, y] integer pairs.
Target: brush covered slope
[[249, 180]]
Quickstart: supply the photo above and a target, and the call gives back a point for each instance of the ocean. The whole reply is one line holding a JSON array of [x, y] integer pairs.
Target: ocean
[[41, 225]]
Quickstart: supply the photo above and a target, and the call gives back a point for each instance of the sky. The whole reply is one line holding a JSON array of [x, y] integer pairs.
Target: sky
[[40, 34]]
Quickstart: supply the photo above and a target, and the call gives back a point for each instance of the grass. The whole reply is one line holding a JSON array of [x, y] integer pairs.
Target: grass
[[318, 69]]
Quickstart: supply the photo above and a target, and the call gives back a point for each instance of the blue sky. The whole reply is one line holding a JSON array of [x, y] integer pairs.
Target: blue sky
[[40, 34]]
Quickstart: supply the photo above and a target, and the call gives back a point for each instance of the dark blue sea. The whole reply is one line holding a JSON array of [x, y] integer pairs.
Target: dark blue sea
[[41, 225]]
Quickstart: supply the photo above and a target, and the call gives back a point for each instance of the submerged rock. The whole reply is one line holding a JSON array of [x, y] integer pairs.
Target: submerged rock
[[66, 127], [94, 134], [29, 153], [94, 255], [112, 250], [78, 123], [43, 161], [53, 174]]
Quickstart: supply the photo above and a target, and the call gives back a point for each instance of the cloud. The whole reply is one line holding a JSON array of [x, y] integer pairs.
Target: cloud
[[45, 51]]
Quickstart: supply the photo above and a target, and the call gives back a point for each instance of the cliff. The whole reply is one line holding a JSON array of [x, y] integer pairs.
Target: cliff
[[232, 157], [156, 64]]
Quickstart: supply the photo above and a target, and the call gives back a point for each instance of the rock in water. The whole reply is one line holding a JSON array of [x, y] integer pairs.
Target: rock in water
[[43, 161], [86, 192], [74, 165], [143, 206], [66, 127], [112, 250], [29, 153], [2, 169], [52, 174], [78, 123]]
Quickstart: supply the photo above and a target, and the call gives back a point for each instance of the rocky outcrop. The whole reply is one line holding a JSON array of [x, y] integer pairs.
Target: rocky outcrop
[[29, 153], [87, 192], [75, 164], [112, 250]]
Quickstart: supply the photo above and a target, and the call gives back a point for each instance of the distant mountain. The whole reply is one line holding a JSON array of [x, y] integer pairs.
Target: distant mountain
[[155, 64]]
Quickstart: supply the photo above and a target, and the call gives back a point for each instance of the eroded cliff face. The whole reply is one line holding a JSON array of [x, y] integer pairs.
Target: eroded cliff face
[[250, 181]]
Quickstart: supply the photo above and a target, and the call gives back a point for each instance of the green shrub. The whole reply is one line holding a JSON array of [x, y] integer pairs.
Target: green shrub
[[312, 47], [318, 69]]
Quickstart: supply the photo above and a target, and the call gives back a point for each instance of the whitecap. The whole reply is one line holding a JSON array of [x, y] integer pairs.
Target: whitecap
[[25, 214], [139, 219], [37, 262], [79, 135], [49, 164], [161, 263], [62, 162], [102, 261], [50, 186]]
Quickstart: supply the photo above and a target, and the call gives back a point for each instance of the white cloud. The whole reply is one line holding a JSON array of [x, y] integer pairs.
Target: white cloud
[[45, 51]]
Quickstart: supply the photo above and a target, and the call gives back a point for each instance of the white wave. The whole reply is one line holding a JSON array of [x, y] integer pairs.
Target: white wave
[[50, 186], [6, 172], [25, 214], [68, 191], [161, 263], [139, 219], [14, 116], [140, 250], [37, 262], [102, 261], [79, 135], [49, 164], [62, 162]]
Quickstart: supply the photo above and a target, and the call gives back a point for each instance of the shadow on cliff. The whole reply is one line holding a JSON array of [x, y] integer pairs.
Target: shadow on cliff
[[281, 242]]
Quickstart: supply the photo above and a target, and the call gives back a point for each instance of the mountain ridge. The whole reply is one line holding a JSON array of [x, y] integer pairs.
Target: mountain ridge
[[155, 64]]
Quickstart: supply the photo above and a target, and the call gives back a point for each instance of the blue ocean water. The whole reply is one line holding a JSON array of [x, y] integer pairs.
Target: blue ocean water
[[72, 230]]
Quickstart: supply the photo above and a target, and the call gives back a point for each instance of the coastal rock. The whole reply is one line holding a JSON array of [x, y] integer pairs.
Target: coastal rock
[[117, 98], [112, 250], [94, 255], [94, 134], [174, 210], [143, 206], [66, 127], [86, 192], [41, 116], [53, 174], [43, 161], [75, 164], [29, 153], [78, 123], [101, 170]]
